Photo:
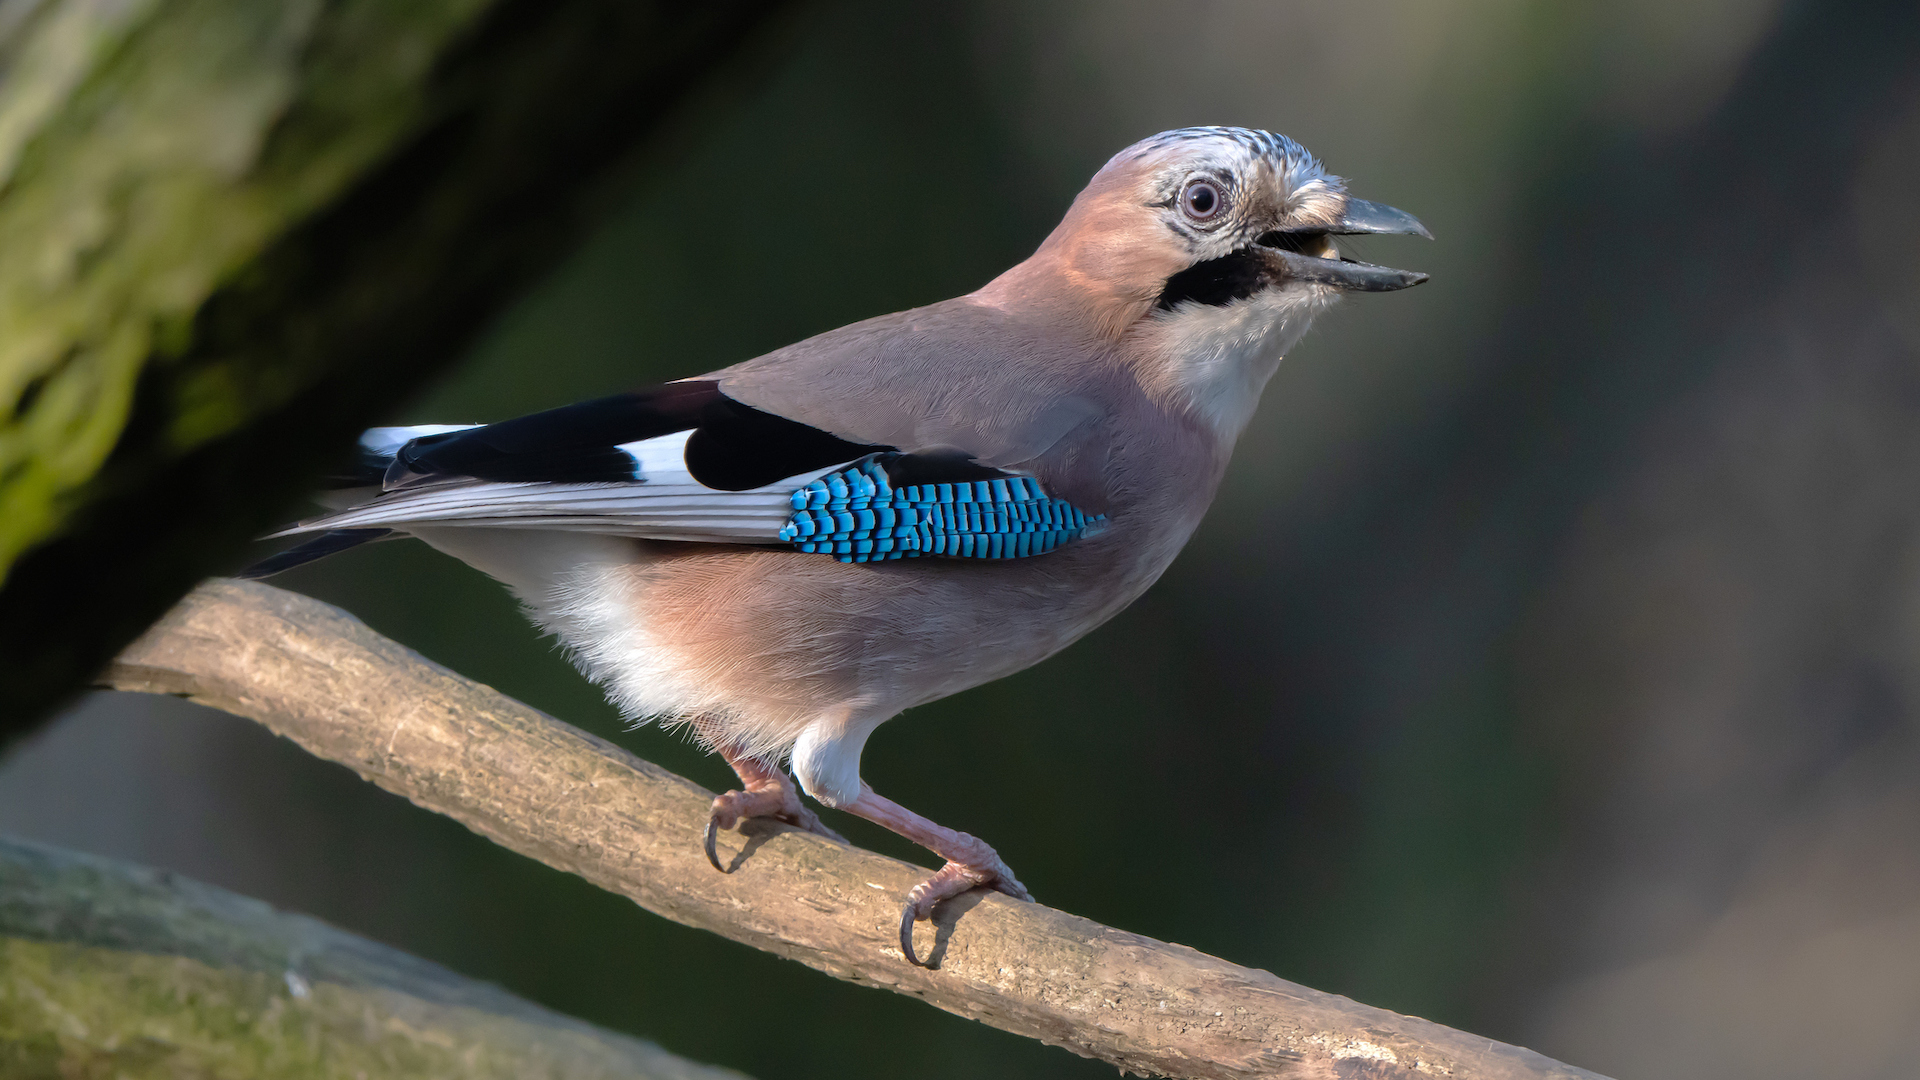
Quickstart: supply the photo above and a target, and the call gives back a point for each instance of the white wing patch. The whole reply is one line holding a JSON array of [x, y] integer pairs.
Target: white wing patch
[[666, 503], [661, 459]]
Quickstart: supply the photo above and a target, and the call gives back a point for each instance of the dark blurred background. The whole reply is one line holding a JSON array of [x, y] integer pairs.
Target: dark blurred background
[[1549, 666]]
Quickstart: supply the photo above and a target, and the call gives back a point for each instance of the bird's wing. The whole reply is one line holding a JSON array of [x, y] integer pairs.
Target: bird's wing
[[677, 461], [679, 432], [684, 461]]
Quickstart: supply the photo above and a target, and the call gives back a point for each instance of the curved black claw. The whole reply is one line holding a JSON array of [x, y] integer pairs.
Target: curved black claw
[[906, 935], [713, 856]]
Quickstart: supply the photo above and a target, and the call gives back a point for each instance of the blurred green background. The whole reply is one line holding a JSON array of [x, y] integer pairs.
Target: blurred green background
[[1547, 666]]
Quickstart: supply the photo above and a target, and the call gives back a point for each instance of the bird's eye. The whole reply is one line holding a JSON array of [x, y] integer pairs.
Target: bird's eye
[[1202, 200]]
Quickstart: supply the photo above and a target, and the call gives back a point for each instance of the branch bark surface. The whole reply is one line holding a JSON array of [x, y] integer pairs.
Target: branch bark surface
[[109, 969], [318, 676]]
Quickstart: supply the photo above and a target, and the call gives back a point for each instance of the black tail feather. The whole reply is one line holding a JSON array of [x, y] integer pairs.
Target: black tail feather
[[327, 543]]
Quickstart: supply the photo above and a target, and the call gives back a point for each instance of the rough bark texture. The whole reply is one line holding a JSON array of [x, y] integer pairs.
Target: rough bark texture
[[318, 676], [235, 232], [114, 970]]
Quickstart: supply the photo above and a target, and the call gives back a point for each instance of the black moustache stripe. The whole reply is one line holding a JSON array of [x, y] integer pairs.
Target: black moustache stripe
[[1217, 282]]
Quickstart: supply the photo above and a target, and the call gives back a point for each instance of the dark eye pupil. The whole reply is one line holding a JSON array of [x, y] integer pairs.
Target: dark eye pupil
[[1202, 199]]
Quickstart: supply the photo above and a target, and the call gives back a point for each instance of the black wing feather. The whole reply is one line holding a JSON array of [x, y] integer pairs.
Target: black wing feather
[[943, 465], [734, 447], [737, 447], [573, 444], [331, 542]]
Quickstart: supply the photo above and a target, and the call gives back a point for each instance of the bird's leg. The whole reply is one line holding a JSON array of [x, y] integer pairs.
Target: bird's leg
[[971, 863], [765, 792]]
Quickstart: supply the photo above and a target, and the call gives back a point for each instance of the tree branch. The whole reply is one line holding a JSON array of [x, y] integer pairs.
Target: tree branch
[[318, 676], [112, 969]]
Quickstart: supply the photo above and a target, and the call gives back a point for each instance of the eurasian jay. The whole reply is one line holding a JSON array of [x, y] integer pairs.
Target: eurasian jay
[[787, 552]]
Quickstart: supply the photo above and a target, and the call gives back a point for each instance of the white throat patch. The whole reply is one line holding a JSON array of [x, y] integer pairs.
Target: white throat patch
[[1215, 360]]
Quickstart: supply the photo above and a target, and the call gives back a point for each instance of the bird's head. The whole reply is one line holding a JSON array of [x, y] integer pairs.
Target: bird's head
[[1205, 252]]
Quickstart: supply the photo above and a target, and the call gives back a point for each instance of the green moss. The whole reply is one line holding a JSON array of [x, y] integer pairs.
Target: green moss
[[146, 157], [234, 233], [71, 1011], [114, 970]]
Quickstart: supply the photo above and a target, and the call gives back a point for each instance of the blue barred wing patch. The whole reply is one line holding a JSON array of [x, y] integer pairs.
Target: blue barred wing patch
[[855, 514]]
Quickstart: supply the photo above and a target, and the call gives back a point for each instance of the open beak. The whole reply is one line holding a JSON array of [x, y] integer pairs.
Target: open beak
[[1372, 217], [1307, 254]]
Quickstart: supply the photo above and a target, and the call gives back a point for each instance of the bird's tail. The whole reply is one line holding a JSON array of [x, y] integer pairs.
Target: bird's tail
[[359, 482], [327, 543]]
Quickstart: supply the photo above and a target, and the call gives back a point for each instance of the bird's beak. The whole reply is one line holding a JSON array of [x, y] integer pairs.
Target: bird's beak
[[1305, 254], [1371, 217]]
